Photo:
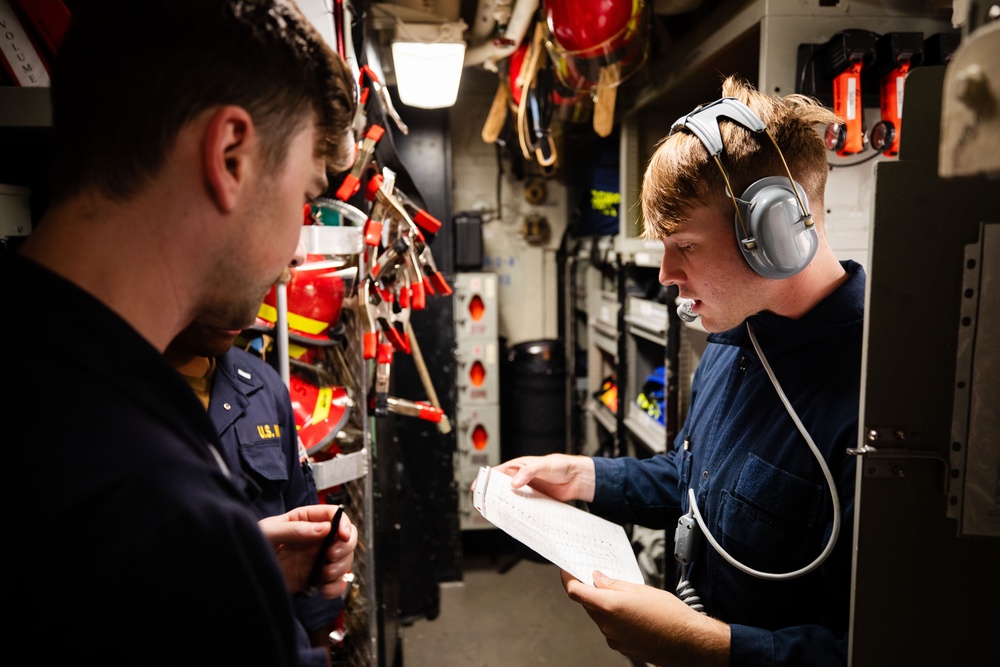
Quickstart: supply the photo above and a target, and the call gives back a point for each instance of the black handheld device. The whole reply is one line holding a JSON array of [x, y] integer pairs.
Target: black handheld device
[[314, 575]]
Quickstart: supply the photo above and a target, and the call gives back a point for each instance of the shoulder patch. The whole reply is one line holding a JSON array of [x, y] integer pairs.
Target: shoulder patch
[[258, 432]]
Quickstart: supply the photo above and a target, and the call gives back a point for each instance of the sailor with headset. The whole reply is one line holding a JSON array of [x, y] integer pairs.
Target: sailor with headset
[[758, 487]]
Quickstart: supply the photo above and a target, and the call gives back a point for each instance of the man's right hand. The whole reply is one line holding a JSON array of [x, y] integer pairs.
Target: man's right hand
[[297, 536], [558, 476]]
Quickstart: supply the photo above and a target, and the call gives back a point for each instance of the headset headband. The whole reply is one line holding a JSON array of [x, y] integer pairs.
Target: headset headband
[[703, 122]]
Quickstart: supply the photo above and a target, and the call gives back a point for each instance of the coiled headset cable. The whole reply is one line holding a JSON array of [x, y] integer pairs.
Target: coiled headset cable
[[687, 593], [684, 554]]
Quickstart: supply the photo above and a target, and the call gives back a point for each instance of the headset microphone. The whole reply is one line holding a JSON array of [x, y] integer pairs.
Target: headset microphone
[[685, 310]]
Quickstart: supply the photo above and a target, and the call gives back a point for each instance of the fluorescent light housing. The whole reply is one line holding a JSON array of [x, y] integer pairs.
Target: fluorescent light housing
[[428, 73], [428, 53]]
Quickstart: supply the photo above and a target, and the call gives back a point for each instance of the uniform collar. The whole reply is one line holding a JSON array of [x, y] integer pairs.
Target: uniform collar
[[110, 350], [843, 309], [243, 378]]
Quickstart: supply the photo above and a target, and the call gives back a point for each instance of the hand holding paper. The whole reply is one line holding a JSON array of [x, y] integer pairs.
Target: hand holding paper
[[575, 540]]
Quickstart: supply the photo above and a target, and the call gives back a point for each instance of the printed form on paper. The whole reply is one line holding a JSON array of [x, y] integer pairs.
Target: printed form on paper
[[575, 540]]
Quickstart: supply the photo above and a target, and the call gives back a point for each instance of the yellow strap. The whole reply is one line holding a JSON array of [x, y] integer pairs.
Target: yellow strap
[[298, 322], [324, 399]]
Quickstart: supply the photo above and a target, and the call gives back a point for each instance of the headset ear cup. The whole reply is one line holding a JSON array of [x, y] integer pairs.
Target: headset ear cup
[[782, 243]]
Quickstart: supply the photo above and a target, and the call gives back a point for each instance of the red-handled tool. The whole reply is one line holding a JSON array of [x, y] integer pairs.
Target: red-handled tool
[[418, 409], [382, 94], [416, 289], [433, 276], [382, 369], [444, 425], [385, 320], [373, 225], [352, 182], [421, 217], [369, 342]]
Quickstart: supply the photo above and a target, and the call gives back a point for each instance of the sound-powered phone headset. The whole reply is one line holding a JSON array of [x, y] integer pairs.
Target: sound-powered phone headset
[[778, 239], [776, 233]]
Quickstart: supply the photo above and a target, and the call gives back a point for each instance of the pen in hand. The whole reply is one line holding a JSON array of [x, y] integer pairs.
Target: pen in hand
[[316, 573]]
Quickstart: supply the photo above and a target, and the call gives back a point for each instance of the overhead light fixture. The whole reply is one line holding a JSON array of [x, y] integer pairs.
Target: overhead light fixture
[[428, 54]]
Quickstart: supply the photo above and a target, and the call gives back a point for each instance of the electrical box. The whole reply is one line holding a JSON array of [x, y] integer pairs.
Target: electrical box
[[477, 406], [476, 306], [478, 380], [477, 444]]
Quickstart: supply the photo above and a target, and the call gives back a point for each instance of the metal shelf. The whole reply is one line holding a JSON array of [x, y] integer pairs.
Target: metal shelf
[[658, 337], [640, 252], [647, 319], [649, 431], [605, 338], [602, 415]]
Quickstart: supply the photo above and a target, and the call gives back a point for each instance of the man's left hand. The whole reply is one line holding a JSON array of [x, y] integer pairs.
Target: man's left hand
[[650, 624]]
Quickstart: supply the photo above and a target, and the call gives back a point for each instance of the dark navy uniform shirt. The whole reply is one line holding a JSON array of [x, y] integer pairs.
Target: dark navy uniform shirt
[[758, 485], [250, 406], [126, 541]]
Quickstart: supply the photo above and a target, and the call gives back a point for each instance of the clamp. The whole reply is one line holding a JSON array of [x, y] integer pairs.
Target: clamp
[[373, 225], [433, 279], [370, 337], [383, 96], [386, 319], [387, 262], [382, 370], [421, 217], [352, 182], [418, 409], [417, 293], [383, 190]]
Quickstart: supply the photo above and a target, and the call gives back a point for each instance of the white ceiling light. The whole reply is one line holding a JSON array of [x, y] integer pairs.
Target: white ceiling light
[[428, 54]]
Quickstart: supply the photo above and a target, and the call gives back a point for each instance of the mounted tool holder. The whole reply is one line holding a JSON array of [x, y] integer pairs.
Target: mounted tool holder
[[895, 54], [831, 72]]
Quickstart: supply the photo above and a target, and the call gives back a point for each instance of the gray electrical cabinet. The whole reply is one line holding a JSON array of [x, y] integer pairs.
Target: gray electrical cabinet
[[927, 533]]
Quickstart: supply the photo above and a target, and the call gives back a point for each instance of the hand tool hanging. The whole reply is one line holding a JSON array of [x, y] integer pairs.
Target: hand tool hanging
[[534, 109], [394, 284], [397, 268]]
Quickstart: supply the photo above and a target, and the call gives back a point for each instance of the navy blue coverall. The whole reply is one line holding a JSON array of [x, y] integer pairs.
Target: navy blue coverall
[[758, 485]]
